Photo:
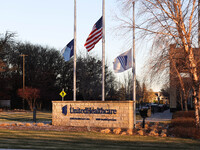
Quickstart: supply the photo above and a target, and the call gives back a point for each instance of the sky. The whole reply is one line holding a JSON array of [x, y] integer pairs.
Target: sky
[[51, 23]]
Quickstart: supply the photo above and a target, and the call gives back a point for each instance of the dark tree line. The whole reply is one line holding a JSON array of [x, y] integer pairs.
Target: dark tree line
[[46, 70]]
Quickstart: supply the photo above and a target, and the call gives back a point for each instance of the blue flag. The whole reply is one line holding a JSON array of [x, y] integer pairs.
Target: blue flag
[[68, 50]]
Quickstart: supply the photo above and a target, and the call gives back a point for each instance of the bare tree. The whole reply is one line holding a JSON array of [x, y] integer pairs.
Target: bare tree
[[168, 22], [4, 42], [128, 85]]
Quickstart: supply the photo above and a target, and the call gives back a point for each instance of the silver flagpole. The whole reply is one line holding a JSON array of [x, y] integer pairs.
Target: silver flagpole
[[74, 50], [199, 23], [134, 68], [103, 54]]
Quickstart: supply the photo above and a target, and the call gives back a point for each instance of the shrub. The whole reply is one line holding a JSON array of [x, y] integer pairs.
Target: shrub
[[183, 125], [30, 95], [183, 122], [185, 132], [186, 114]]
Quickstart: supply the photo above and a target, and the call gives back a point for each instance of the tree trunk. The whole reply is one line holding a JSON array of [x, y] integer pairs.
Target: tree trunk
[[196, 112], [185, 101], [181, 101], [30, 104], [193, 65], [199, 100], [34, 103], [196, 109]]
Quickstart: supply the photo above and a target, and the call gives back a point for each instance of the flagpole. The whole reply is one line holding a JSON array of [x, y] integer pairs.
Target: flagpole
[[134, 68], [74, 50], [199, 23], [103, 53]]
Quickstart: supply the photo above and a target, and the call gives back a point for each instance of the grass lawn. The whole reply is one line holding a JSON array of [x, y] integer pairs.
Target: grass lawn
[[14, 117], [34, 139], [23, 139]]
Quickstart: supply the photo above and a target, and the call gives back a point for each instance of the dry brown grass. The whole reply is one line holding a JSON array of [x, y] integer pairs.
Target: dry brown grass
[[183, 122], [185, 114], [183, 125]]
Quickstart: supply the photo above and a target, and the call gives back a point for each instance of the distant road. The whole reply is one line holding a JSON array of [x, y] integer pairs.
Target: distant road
[[159, 116]]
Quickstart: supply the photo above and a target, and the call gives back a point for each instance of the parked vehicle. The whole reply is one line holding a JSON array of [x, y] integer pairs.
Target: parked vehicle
[[154, 107], [161, 108]]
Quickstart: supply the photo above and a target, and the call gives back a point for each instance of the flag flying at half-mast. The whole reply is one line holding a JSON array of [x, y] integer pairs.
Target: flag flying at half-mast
[[94, 36], [123, 62], [97, 33], [68, 50]]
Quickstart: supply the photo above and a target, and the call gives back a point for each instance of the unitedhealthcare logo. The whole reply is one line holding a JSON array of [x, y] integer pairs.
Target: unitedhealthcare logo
[[87, 110], [64, 110]]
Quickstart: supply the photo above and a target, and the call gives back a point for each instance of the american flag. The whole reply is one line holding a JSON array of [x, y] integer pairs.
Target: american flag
[[94, 36]]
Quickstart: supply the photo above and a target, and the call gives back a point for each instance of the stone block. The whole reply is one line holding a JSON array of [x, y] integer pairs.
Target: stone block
[[163, 135], [4, 124], [122, 116], [153, 133], [123, 133], [130, 131], [28, 125], [19, 124], [106, 131], [146, 126], [117, 131], [140, 132], [40, 124]]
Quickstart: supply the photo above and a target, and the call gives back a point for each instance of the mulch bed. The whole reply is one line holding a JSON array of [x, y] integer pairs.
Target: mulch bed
[[47, 127]]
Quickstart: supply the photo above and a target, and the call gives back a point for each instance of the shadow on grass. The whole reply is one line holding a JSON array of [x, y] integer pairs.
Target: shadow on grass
[[16, 119], [90, 144], [23, 117], [91, 141]]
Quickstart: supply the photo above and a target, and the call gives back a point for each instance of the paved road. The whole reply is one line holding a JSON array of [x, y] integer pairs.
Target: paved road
[[159, 116]]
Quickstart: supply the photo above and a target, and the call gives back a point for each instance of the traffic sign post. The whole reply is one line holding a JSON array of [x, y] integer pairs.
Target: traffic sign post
[[62, 94]]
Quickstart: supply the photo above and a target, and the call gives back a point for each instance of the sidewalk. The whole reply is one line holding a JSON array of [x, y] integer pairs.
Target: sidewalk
[[159, 116]]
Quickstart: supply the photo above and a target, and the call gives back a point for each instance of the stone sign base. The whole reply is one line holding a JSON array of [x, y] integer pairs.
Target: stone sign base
[[108, 114]]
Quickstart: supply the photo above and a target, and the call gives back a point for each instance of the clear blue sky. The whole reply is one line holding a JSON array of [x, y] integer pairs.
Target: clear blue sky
[[51, 22]]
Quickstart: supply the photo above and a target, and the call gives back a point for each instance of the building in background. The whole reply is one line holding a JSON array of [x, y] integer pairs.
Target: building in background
[[176, 94]]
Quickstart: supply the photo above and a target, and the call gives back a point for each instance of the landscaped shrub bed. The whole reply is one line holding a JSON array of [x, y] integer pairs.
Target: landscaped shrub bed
[[183, 122], [183, 125], [184, 132], [185, 114]]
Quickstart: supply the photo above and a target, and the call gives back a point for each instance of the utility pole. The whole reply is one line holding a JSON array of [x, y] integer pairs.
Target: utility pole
[[23, 55]]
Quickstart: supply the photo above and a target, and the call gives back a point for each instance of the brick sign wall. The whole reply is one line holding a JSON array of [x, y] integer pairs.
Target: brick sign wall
[[109, 114]]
